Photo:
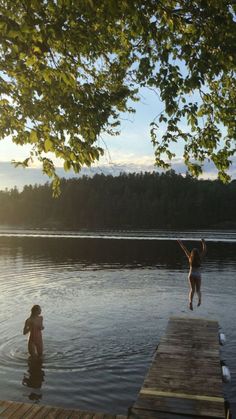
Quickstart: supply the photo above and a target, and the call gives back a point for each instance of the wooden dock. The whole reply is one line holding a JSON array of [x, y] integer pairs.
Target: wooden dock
[[15, 410], [184, 380]]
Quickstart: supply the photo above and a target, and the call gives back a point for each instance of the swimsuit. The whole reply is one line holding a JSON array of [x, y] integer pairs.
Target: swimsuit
[[194, 273]]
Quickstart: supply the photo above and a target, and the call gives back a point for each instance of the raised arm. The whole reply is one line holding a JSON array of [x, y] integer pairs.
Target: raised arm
[[204, 248], [186, 251]]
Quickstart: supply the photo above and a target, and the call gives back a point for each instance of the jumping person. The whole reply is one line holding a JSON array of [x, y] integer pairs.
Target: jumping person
[[34, 326], [195, 259]]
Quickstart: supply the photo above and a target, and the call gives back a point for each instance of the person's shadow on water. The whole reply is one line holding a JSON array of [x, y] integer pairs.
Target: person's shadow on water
[[34, 378]]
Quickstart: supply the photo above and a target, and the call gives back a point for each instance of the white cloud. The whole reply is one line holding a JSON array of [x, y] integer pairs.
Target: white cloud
[[119, 162]]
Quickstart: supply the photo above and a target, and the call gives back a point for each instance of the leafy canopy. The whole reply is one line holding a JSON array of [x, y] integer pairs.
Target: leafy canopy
[[69, 68]]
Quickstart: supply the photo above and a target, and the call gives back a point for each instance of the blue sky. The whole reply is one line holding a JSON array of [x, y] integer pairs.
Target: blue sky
[[130, 151]]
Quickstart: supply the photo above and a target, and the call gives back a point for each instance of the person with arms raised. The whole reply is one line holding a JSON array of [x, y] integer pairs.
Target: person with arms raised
[[195, 258]]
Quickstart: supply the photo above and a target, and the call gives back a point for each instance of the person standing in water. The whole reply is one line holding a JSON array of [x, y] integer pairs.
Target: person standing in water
[[195, 258], [34, 326]]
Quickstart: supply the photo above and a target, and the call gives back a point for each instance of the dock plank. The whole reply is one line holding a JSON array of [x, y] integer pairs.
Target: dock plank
[[184, 379], [3, 406], [23, 410], [16, 410], [180, 406], [12, 410], [43, 412], [151, 414]]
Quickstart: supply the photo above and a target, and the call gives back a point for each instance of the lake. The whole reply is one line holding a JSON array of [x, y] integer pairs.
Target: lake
[[106, 298]]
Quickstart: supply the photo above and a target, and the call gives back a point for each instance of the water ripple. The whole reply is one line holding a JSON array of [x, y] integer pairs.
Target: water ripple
[[102, 318], [12, 353]]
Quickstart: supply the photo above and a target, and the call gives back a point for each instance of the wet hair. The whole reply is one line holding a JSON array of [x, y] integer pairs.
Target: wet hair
[[35, 309], [195, 258]]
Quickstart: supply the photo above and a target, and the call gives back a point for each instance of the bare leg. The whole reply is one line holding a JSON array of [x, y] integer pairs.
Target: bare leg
[[198, 290], [40, 349], [191, 292], [35, 348], [32, 349]]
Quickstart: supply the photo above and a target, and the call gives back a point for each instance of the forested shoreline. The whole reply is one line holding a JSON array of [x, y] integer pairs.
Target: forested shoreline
[[143, 200]]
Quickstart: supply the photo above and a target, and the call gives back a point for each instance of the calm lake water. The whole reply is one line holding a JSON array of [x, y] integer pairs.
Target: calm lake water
[[106, 300]]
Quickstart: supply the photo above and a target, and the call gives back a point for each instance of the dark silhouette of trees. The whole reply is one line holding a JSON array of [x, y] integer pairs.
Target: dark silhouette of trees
[[131, 201]]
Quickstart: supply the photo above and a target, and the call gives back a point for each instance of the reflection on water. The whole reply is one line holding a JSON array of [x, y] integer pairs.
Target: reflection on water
[[34, 378], [99, 254], [105, 304]]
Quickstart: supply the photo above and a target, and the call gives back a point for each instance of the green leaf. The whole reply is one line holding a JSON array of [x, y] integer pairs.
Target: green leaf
[[33, 137], [48, 145], [47, 75], [67, 166], [37, 49], [31, 61]]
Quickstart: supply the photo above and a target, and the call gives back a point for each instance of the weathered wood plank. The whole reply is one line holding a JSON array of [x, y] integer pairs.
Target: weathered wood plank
[[150, 414], [31, 414], [181, 406], [16, 410], [98, 416], [12, 409], [175, 388], [22, 411], [184, 379], [52, 412], [64, 414], [3, 406], [85, 415], [44, 412]]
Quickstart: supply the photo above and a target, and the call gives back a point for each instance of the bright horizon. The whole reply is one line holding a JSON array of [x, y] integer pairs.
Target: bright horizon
[[131, 151]]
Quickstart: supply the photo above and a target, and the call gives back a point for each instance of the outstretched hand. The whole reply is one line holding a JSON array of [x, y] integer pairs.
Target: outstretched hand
[[204, 248]]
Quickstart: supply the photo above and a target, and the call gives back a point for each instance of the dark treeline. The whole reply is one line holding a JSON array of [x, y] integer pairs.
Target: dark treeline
[[146, 200]]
